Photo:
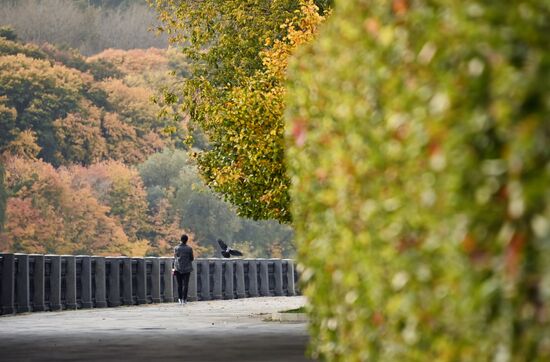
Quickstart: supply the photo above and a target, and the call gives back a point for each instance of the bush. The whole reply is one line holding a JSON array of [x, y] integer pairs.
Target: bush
[[11, 47], [8, 33], [420, 163]]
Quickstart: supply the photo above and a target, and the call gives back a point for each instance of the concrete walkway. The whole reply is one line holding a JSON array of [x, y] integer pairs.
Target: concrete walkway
[[222, 330]]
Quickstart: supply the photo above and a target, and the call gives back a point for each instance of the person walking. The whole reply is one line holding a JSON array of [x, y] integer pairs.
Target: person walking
[[182, 267]]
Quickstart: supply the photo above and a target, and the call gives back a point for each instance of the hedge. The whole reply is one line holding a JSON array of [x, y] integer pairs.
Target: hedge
[[419, 153]]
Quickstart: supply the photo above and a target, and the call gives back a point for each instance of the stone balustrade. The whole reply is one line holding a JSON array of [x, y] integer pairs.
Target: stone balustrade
[[33, 282]]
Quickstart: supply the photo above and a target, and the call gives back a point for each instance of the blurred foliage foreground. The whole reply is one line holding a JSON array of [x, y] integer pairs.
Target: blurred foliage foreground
[[419, 140]]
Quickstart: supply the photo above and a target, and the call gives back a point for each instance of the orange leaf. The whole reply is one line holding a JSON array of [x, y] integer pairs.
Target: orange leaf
[[400, 7], [513, 253]]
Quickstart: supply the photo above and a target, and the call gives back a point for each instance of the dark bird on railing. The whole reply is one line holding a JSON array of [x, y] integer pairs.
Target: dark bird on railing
[[227, 251]]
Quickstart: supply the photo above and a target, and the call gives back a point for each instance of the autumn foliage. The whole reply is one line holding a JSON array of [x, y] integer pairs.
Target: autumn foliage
[[235, 93], [46, 213], [419, 136], [71, 129], [75, 132], [77, 113], [134, 60]]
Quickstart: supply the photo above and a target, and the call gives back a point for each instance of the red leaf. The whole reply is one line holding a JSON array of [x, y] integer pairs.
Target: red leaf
[[299, 132]]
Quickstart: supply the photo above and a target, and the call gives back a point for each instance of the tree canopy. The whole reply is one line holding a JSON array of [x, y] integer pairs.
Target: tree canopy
[[71, 127], [238, 52], [173, 183], [75, 130], [46, 213], [79, 111]]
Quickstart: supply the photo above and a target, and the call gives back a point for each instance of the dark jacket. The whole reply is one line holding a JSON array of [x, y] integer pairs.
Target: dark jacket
[[183, 257]]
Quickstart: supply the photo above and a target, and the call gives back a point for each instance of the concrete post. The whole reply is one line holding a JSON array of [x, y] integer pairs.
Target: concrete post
[[228, 276], [168, 280], [22, 291], [205, 279], [290, 277], [114, 281], [239, 273], [264, 278], [127, 297], [100, 282], [278, 273], [252, 277], [70, 282], [192, 292], [155, 279], [39, 283], [141, 281], [297, 281], [55, 282], [7, 300], [174, 288], [217, 292], [86, 282]]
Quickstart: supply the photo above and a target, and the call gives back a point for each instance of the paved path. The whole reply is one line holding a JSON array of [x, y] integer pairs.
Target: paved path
[[230, 330]]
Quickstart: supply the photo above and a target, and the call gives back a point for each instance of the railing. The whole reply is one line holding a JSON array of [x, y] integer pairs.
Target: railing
[[33, 282]]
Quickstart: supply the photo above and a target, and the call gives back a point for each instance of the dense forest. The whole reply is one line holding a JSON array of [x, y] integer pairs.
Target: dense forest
[[87, 164]]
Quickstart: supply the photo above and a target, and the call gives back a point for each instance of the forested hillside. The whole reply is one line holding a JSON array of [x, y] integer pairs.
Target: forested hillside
[[63, 109], [89, 167]]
